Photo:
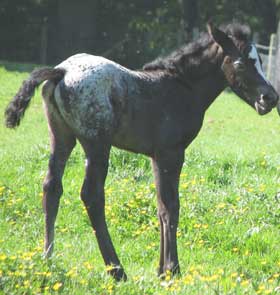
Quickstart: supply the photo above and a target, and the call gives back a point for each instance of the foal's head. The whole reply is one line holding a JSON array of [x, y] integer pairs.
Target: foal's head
[[242, 67]]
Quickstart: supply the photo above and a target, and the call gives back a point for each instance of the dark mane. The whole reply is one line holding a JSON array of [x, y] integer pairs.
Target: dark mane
[[187, 56], [241, 34], [184, 61]]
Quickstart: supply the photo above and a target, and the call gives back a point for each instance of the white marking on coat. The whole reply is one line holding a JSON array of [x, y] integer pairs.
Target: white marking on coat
[[90, 83], [253, 54]]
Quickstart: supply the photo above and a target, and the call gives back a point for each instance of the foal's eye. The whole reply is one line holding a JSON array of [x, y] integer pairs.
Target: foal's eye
[[239, 65]]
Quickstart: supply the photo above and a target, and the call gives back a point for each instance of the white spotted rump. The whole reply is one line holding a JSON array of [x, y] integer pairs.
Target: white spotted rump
[[85, 94]]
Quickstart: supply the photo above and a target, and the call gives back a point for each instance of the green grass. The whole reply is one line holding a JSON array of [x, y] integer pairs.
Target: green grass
[[228, 237]]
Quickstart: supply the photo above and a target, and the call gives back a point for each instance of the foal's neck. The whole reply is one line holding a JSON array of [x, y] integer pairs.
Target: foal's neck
[[208, 81], [198, 71], [210, 87]]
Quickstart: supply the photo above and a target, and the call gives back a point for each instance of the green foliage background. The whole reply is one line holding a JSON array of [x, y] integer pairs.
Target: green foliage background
[[131, 32]]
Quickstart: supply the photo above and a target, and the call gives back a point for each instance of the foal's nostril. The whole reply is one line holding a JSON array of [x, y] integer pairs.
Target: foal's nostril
[[271, 98]]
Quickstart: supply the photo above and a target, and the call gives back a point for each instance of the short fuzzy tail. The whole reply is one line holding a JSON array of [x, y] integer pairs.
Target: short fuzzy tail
[[16, 108]]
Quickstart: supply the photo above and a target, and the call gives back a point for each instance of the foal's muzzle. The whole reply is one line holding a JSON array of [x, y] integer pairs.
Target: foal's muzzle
[[271, 98], [267, 101]]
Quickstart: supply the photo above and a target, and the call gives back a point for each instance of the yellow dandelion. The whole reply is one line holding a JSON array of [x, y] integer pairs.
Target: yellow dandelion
[[193, 182], [3, 257], [221, 205], [188, 280], [26, 284], [184, 185], [261, 287], [168, 275], [178, 234], [72, 272], [136, 278], [57, 286], [214, 277], [262, 187], [110, 267], [245, 283], [263, 163], [88, 266], [197, 225]]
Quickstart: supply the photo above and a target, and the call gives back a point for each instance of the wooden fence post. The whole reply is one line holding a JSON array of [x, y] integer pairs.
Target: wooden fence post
[[271, 55]]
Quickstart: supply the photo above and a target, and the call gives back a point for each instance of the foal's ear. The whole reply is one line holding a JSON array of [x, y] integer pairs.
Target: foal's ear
[[222, 39]]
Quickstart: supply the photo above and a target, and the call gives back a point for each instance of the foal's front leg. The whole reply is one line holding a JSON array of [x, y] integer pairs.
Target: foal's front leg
[[92, 195], [167, 167]]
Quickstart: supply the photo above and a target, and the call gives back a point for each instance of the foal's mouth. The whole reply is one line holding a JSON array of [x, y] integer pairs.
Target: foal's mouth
[[263, 107]]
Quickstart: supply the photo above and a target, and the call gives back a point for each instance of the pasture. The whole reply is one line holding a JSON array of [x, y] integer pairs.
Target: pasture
[[228, 237]]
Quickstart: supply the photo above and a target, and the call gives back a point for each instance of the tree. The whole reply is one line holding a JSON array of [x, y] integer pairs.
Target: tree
[[189, 18]]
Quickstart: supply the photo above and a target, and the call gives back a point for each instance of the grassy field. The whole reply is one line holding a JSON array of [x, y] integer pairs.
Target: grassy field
[[228, 237]]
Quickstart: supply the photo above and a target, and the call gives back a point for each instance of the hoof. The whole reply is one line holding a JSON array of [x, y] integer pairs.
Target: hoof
[[168, 271], [117, 272], [160, 272]]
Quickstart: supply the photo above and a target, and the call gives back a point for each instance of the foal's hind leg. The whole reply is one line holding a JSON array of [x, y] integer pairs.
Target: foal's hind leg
[[92, 194], [62, 143]]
